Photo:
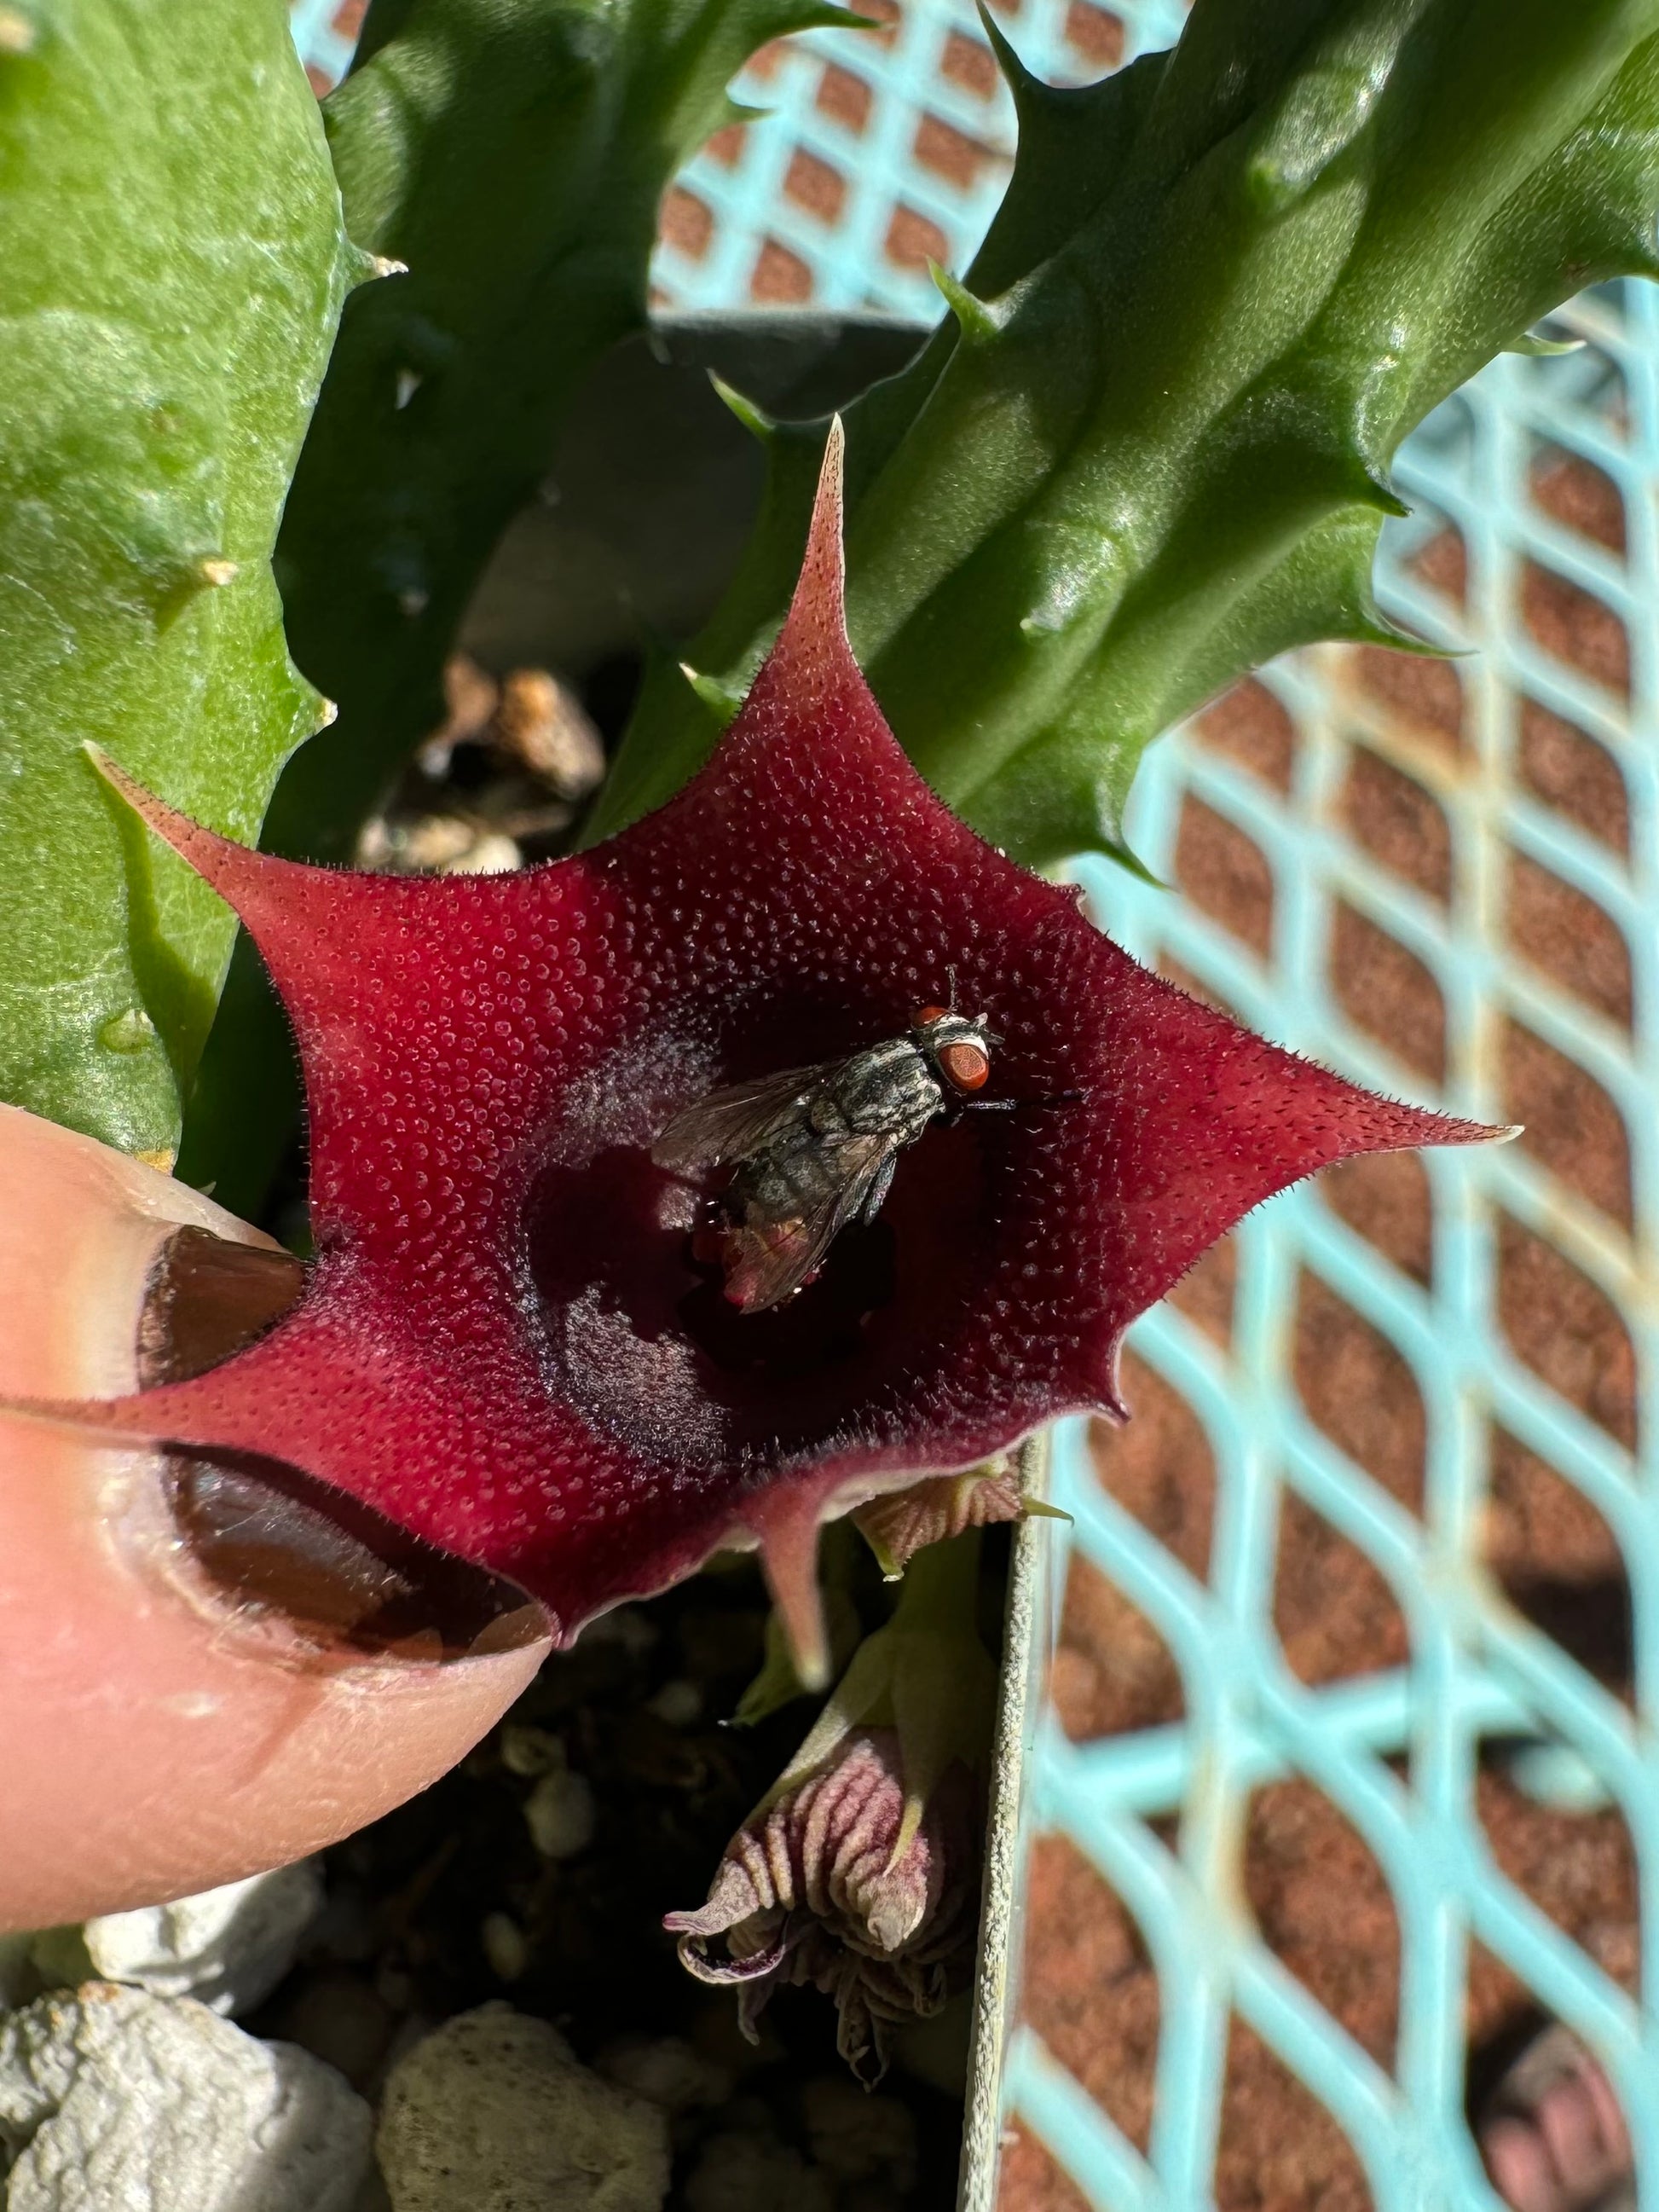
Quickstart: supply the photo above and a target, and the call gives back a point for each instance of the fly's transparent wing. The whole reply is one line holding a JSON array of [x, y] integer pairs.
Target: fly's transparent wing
[[767, 1262], [729, 1123]]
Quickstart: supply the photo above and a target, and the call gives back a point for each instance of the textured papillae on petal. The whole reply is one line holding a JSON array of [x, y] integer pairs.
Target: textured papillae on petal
[[505, 1343]]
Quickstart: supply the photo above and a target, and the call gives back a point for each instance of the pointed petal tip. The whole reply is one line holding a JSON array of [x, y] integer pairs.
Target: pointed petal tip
[[236, 871], [1424, 1126], [1017, 77], [1039, 1509], [825, 535], [816, 624], [102, 761], [104, 1420], [722, 701], [754, 419], [171, 827], [974, 321]]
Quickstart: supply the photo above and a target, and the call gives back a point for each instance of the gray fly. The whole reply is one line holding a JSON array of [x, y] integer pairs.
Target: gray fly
[[814, 1149]]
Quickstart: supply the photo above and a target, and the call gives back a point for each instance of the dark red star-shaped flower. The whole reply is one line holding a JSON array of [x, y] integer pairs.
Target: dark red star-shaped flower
[[506, 1343]]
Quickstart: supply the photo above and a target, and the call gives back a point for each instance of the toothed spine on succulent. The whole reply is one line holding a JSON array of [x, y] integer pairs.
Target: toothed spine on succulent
[[754, 419], [977, 321]]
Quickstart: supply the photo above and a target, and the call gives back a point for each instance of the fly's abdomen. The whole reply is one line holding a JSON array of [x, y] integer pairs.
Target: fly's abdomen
[[795, 1174]]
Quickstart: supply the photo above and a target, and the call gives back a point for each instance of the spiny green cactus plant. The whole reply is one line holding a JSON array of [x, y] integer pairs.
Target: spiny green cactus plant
[[1150, 448], [169, 294]]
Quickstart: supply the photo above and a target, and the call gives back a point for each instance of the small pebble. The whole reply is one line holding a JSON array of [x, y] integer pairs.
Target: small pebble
[[395, 1986], [341, 2018], [493, 2113], [859, 2137], [344, 1930], [542, 725], [530, 1751], [227, 1947], [666, 2070], [119, 2101], [489, 853], [753, 2173], [561, 1814], [678, 1703], [17, 1975], [504, 1946]]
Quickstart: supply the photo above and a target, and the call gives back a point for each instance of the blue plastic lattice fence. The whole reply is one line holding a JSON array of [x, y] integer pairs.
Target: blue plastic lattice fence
[[880, 151], [1478, 1672]]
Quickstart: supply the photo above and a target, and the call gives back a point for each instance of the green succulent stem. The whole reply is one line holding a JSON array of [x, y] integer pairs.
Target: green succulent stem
[[173, 269], [1149, 447]]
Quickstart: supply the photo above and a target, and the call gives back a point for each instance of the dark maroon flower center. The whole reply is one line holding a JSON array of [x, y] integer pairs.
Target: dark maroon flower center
[[632, 1304]]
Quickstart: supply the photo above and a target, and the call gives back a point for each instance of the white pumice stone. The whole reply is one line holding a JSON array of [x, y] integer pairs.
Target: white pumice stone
[[493, 2113], [113, 2100], [743, 2173], [227, 1947]]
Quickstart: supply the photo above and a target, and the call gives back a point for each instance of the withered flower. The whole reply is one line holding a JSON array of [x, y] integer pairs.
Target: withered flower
[[859, 1872]]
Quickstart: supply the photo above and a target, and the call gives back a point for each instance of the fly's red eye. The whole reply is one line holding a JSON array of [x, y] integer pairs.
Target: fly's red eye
[[923, 1015], [965, 1066]]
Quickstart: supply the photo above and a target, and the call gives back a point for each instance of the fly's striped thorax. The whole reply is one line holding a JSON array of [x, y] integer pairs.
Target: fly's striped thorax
[[889, 1088]]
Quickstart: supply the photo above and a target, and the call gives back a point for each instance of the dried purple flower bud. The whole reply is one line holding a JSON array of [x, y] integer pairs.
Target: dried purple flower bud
[[858, 1873], [821, 1887]]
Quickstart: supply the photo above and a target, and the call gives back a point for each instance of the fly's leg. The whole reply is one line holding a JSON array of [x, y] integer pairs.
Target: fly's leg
[[1013, 1105], [959, 1106], [881, 1183]]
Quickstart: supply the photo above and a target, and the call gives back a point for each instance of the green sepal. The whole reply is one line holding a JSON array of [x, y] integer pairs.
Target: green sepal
[[721, 701], [1536, 347], [778, 1683], [974, 319]]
